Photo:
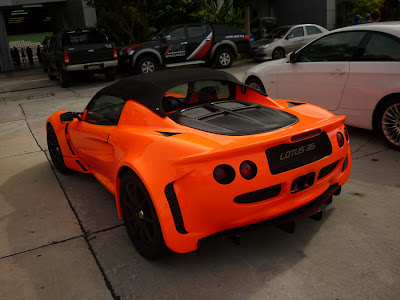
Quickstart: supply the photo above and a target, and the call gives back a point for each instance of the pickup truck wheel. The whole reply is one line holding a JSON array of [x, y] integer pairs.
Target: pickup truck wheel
[[64, 79], [256, 84], [51, 76], [389, 123], [110, 76], [223, 58], [278, 53], [145, 65]]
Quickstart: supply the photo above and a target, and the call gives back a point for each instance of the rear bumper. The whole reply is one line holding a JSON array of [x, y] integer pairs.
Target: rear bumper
[[99, 65], [207, 210], [299, 214]]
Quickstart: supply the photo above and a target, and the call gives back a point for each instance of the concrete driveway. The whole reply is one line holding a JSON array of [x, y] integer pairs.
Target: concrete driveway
[[60, 237]]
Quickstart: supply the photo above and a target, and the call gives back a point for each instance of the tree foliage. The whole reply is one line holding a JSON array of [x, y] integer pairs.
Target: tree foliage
[[162, 13], [363, 7], [123, 20]]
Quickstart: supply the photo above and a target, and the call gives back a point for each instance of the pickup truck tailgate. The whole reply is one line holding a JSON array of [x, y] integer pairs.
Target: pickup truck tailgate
[[89, 53]]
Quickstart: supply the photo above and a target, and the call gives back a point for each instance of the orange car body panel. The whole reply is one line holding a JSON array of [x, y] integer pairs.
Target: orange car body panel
[[188, 160]]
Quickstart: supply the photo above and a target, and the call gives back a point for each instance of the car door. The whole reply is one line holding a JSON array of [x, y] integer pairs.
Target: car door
[[91, 136], [295, 39], [199, 41], [173, 45], [374, 73], [321, 70]]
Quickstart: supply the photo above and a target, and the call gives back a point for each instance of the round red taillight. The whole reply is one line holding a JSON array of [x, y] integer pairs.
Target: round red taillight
[[340, 139], [346, 134], [224, 174], [248, 169]]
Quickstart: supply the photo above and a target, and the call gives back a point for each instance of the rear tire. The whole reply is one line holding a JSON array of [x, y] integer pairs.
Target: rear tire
[[146, 65], [256, 84], [389, 123], [140, 217], [223, 58], [109, 74], [55, 151], [64, 79]]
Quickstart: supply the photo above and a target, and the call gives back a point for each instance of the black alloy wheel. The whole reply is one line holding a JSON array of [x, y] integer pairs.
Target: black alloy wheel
[[140, 217], [278, 53], [256, 84], [55, 150], [389, 127]]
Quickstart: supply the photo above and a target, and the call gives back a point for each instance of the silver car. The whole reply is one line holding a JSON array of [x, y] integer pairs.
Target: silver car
[[285, 39]]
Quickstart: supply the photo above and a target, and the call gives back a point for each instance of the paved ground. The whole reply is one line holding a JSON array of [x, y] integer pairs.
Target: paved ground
[[60, 237]]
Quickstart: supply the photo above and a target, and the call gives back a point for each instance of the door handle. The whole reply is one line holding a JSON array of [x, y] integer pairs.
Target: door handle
[[184, 43], [337, 71]]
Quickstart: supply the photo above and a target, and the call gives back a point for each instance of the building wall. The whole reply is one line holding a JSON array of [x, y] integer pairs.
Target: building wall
[[5, 56], [5, 3], [69, 14], [296, 12], [331, 14]]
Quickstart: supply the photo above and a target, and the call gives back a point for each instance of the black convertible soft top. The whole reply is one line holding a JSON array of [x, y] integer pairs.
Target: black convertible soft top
[[149, 89]]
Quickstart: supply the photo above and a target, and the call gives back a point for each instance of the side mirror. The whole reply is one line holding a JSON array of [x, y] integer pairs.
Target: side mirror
[[66, 117], [166, 38], [291, 57], [69, 117], [290, 36]]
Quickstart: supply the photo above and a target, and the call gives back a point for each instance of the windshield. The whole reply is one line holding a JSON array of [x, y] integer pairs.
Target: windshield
[[159, 35], [278, 33]]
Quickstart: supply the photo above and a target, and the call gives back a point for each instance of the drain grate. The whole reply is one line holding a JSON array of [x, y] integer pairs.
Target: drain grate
[[40, 96]]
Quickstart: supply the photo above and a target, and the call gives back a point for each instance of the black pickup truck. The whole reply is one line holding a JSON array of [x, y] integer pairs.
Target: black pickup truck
[[186, 44], [81, 50]]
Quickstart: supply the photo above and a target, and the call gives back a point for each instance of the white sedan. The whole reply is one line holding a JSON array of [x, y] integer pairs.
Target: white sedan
[[353, 71]]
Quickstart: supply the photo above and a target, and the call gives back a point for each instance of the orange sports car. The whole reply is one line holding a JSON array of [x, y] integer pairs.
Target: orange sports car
[[194, 153]]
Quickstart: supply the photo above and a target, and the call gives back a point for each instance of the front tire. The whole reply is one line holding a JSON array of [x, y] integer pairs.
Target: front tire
[[256, 84], [55, 150], [223, 58], [146, 65], [278, 53], [51, 76], [389, 123], [140, 217]]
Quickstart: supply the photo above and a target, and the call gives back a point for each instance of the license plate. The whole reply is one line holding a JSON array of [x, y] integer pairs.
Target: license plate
[[286, 157], [94, 67]]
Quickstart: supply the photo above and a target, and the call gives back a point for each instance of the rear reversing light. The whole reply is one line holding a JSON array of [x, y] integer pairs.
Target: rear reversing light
[[115, 52], [66, 57], [248, 169], [224, 174], [340, 139]]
